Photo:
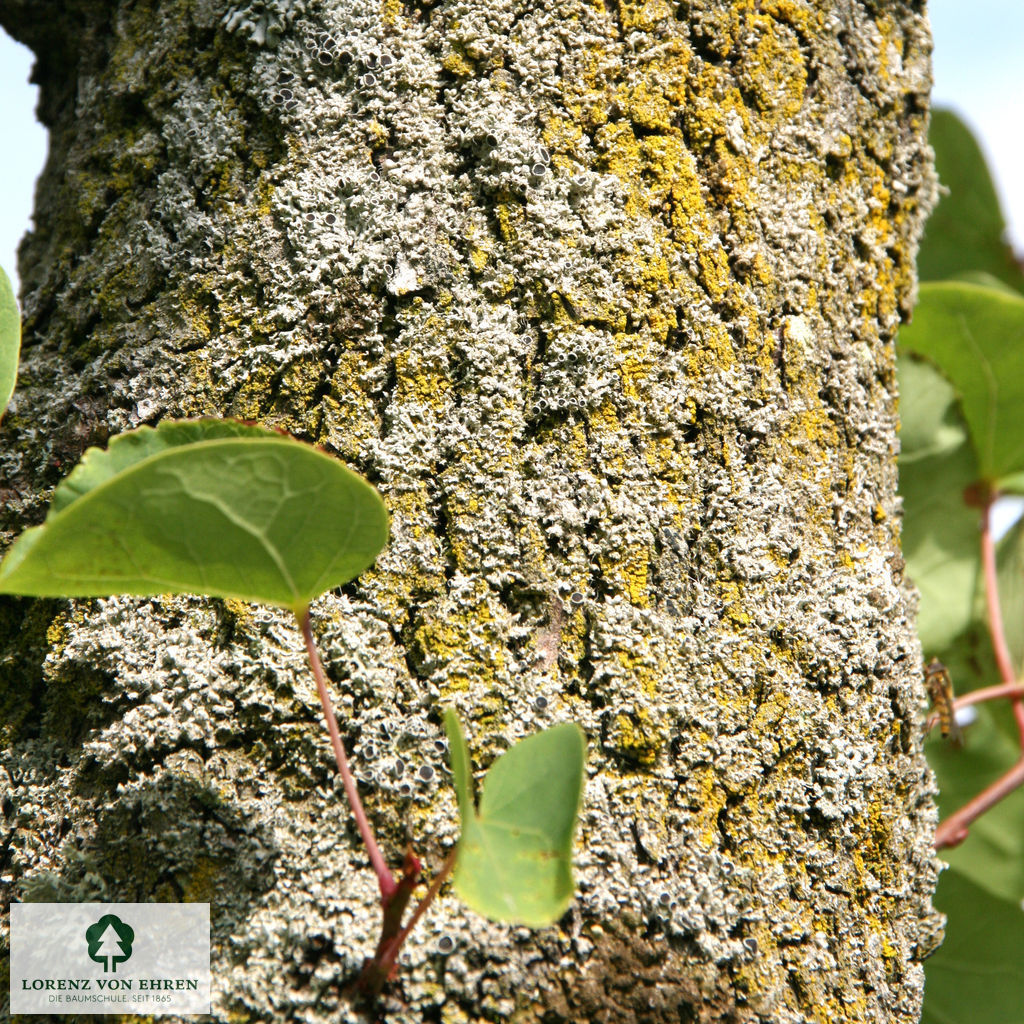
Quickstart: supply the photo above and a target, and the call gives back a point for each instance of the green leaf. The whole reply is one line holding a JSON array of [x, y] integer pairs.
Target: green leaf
[[966, 231], [462, 775], [977, 975], [10, 340], [940, 531], [203, 507], [515, 854], [98, 465], [1012, 483], [975, 336], [979, 277], [968, 654]]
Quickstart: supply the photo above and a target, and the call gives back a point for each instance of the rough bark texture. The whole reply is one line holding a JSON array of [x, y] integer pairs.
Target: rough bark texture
[[602, 296]]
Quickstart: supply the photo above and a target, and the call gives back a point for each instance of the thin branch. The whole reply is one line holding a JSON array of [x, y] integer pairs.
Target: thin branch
[[394, 907], [1012, 690], [953, 830], [384, 877], [391, 953], [379, 968], [995, 616]]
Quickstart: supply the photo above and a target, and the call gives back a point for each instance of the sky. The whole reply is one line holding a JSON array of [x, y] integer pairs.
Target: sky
[[978, 65]]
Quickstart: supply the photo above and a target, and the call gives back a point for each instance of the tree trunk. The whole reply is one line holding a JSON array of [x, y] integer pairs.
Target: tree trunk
[[602, 297]]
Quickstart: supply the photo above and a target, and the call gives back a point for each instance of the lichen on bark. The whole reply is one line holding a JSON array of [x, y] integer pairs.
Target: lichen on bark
[[602, 297]]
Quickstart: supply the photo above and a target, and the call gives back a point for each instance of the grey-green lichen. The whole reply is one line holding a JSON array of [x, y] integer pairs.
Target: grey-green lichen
[[263, 21], [602, 297]]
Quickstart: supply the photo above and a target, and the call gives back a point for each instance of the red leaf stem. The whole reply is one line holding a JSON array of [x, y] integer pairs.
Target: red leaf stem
[[953, 830], [385, 879], [995, 615]]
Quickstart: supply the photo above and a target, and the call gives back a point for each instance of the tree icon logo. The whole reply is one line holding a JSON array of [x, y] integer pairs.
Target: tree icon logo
[[110, 941]]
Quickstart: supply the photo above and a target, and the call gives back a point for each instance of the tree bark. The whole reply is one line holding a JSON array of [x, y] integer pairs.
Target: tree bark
[[602, 298]]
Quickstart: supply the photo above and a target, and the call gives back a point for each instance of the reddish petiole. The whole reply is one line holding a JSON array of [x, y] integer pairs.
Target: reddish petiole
[[954, 830], [394, 895]]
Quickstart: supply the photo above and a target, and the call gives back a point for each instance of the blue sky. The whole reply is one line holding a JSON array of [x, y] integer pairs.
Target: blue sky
[[979, 70]]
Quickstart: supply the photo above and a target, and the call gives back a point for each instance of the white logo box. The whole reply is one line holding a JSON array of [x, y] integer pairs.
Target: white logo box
[[143, 958]]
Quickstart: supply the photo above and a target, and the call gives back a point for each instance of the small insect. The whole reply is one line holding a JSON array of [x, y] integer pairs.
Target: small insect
[[940, 689]]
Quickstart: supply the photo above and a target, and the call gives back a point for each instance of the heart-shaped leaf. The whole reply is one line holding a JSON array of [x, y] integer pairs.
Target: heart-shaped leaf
[[98, 465], [975, 336], [515, 854], [966, 231], [10, 340], [205, 506]]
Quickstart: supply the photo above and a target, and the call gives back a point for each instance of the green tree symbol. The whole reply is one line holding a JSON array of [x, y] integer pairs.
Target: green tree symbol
[[110, 941]]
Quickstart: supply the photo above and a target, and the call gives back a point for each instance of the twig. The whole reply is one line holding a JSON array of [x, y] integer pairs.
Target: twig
[[953, 830], [374, 974], [995, 616], [1014, 690], [391, 954], [385, 879]]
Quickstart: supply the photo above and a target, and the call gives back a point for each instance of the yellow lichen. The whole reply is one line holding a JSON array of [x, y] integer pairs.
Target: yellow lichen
[[457, 63], [253, 398], [637, 737], [465, 644], [418, 382], [58, 634]]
